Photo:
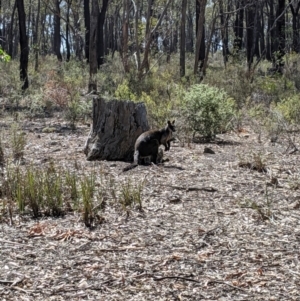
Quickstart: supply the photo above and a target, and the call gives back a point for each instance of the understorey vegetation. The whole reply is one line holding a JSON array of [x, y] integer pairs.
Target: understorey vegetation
[[225, 100], [30, 190]]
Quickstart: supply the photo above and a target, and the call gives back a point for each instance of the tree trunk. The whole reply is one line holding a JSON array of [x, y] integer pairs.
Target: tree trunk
[[280, 35], [100, 41], [124, 52], [200, 45], [174, 37], [116, 126], [69, 2], [224, 32], [182, 38], [238, 26], [1, 31], [272, 30], [28, 21], [23, 45], [262, 33], [149, 38], [296, 29], [212, 31], [78, 40], [36, 42], [11, 29], [190, 35], [136, 33], [93, 47], [57, 37], [251, 24], [86, 7], [16, 37]]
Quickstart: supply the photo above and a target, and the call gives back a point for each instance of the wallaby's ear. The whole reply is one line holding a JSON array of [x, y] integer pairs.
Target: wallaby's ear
[[169, 122], [173, 121]]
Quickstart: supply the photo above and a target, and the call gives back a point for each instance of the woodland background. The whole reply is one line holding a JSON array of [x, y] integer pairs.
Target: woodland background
[[219, 220], [214, 66]]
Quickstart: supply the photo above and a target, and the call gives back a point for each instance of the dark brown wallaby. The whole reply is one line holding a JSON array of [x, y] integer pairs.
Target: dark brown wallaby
[[147, 144]]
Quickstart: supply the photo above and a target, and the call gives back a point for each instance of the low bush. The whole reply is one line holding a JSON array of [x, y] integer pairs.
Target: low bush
[[290, 109], [208, 110]]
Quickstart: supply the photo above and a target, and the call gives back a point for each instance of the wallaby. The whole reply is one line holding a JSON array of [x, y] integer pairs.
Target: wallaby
[[147, 144]]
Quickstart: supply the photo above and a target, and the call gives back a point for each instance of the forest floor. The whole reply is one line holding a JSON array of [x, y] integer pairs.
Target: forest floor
[[222, 226]]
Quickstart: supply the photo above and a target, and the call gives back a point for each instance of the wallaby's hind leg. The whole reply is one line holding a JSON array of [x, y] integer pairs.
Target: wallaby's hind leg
[[154, 158]]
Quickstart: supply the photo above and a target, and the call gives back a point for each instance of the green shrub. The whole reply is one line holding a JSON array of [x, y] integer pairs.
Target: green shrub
[[131, 195], [290, 109], [87, 185], [18, 141], [208, 110], [158, 103], [4, 57]]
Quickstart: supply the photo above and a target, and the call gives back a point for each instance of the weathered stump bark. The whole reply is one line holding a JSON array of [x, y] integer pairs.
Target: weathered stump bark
[[116, 126]]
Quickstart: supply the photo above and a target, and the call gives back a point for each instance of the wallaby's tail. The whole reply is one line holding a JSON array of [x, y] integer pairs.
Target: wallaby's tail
[[131, 166]]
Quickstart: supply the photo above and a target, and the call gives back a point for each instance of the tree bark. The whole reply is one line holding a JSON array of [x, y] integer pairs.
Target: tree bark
[[116, 126], [1, 30], [86, 8], [124, 52], [78, 40], [251, 24], [57, 36], [69, 2], [224, 32], [136, 33], [190, 35], [23, 45], [238, 26], [280, 34], [295, 26], [11, 29], [262, 33], [182, 38], [101, 19], [149, 38], [272, 33], [36, 42], [200, 45], [212, 30], [93, 47]]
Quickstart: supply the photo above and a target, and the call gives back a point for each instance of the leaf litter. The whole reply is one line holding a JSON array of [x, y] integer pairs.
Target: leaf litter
[[208, 229]]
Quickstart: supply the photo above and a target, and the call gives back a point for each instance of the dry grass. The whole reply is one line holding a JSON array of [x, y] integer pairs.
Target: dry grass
[[209, 229]]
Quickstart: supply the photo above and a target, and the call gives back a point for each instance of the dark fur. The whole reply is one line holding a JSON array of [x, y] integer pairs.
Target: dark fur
[[147, 144]]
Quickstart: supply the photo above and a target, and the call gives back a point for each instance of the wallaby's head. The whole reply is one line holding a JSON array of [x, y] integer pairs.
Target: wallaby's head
[[171, 125]]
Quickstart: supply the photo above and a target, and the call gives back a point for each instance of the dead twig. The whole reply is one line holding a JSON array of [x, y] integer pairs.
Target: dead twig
[[174, 277], [15, 243], [228, 284], [208, 189]]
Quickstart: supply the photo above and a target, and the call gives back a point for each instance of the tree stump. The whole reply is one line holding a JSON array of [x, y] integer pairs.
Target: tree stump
[[116, 126]]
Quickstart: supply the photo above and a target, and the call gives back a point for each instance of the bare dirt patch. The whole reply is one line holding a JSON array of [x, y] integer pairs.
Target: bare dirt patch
[[210, 229]]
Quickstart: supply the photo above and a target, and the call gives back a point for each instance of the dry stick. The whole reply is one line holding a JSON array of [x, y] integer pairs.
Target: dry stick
[[192, 280], [208, 189], [122, 249], [15, 243], [6, 282], [233, 286], [174, 277], [20, 289]]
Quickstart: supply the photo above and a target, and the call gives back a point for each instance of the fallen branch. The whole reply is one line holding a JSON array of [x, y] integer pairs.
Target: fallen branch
[[208, 189], [15, 243], [174, 277], [228, 284]]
